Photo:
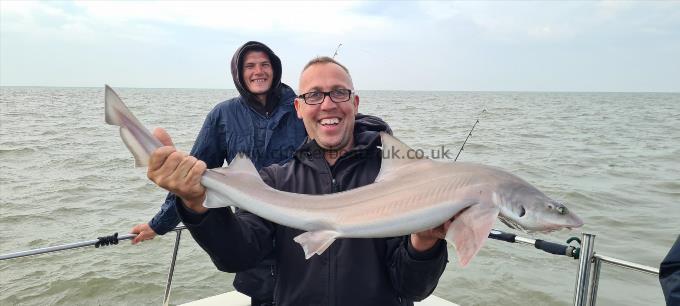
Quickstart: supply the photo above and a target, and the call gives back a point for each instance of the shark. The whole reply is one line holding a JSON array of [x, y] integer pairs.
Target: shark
[[409, 195]]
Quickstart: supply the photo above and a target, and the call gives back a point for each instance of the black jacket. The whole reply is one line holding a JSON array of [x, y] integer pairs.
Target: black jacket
[[384, 271], [669, 275]]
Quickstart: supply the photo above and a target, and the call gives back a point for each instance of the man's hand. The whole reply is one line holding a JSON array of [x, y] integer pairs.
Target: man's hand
[[177, 172], [143, 231], [425, 240]]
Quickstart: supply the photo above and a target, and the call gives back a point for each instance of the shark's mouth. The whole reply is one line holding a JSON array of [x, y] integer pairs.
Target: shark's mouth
[[545, 227], [512, 223]]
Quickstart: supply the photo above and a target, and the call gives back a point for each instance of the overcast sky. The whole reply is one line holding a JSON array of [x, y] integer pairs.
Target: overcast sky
[[400, 45]]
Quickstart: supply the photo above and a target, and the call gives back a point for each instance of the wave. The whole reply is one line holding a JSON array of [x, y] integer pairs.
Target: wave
[[17, 150]]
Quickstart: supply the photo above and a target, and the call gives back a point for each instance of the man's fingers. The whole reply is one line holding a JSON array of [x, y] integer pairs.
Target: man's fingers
[[188, 176], [159, 156], [137, 229], [196, 172], [143, 236], [175, 171], [165, 174], [138, 238], [184, 167], [163, 137]]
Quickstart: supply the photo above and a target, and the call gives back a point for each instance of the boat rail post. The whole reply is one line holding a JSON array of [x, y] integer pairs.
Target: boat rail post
[[168, 284], [594, 280], [584, 269]]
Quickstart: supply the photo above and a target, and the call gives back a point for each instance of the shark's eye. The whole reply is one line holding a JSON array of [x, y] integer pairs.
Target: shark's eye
[[562, 210], [522, 212]]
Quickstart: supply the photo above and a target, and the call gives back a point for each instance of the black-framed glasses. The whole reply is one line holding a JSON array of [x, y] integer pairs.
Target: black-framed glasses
[[316, 97]]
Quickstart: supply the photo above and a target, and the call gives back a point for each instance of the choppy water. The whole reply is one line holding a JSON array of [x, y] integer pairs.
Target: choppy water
[[65, 176]]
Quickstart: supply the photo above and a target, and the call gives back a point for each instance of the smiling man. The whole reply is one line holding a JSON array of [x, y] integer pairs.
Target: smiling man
[[261, 122], [329, 124], [258, 73], [340, 153]]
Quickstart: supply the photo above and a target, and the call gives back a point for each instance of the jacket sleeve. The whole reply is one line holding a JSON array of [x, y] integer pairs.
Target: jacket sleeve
[[208, 147], [414, 274], [166, 219], [234, 241]]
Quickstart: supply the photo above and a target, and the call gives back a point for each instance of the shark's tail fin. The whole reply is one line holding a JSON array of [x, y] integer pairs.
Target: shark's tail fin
[[135, 136]]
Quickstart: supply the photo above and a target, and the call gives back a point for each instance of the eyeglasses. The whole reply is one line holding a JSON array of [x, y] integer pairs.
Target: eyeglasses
[[336, 95]]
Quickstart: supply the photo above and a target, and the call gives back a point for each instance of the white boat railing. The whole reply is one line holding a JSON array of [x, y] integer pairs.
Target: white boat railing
[[587, 276], [589, 271]]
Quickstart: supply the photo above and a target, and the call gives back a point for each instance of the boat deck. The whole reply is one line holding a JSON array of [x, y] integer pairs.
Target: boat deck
[[234, 298]]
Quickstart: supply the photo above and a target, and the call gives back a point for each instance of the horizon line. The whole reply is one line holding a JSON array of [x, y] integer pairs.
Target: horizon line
[[404, 90]]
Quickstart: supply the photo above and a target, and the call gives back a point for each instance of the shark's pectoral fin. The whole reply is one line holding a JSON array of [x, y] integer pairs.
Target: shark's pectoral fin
[[215, 200], [470, 229], [315, 242]]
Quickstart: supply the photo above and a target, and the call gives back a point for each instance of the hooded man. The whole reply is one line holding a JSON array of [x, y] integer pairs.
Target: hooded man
[[260, 122]]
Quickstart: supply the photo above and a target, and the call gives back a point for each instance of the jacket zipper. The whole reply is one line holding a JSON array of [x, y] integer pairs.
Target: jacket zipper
[[330, 299], [331, 258]]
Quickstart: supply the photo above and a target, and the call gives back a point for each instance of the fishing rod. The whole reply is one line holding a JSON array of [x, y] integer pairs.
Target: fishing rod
[[546, 246], [469, 134], [104, 241], [336, 50], [100, 241]]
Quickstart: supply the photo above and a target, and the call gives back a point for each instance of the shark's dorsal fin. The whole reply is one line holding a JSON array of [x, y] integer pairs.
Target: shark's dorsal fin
[[395, 154], [240, 167], [243, 164]]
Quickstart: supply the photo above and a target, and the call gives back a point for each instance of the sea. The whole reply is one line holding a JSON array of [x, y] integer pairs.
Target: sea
[[66, 176]]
